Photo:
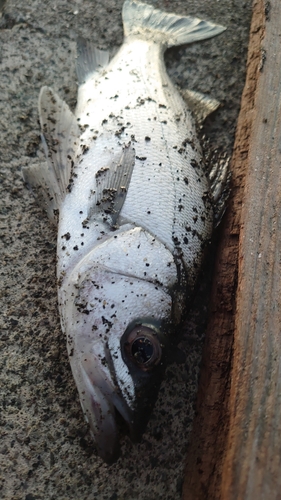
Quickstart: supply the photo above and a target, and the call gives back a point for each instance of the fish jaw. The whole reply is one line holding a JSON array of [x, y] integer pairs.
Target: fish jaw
[[99, 399], [111, 384], [102, 400]]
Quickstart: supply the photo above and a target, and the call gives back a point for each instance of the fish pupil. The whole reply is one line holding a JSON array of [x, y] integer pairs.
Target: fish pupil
[[142, 350]]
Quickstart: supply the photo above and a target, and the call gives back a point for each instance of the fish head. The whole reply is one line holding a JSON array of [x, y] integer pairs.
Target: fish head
[[119, 333]]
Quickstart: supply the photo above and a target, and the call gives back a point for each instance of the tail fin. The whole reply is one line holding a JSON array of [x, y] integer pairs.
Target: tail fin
[[140, 19]]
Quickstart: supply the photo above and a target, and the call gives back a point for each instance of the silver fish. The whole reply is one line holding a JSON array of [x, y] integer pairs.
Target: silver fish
[[126, 181]]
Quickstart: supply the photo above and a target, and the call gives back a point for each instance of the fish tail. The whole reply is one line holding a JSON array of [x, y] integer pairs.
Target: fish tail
[[143, 20]]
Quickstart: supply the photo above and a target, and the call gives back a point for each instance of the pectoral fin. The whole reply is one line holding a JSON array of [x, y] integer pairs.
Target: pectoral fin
[[112, 183]]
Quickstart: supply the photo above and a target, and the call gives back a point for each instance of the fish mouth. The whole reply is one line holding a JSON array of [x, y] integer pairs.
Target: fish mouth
[[107, 409], [104, 407]]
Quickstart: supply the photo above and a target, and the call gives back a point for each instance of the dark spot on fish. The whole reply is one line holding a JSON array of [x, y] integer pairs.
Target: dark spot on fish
[[147, 138], [106, 322], [185, 180], [101, 171], [75, 248], [188, 141], [194, 163], [142, 158], [195, 233], [162, 106], [66, 236], [52, 120], [119, 132], [104, 121]]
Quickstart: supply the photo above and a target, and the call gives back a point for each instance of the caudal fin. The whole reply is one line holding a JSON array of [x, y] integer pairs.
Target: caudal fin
[[143, 20]]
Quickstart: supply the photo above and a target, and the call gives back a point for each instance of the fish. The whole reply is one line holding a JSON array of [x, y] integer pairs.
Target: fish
[[126, 185]]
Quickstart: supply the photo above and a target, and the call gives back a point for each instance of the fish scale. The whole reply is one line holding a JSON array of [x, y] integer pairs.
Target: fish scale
[[126, 182]]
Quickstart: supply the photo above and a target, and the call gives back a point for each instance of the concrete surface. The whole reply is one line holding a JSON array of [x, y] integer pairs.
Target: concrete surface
[[45, 450]]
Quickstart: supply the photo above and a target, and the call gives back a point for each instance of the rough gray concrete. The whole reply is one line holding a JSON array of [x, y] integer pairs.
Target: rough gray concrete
[[45, 450]]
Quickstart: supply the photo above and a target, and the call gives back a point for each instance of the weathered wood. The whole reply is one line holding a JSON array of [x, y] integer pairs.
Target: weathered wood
[[252, 468], [207, 448]]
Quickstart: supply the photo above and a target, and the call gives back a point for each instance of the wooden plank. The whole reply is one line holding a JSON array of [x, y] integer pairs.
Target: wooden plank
[[208, 442], [252, 467]]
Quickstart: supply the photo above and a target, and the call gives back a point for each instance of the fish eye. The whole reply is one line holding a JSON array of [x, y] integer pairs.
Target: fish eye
[[143, 347]]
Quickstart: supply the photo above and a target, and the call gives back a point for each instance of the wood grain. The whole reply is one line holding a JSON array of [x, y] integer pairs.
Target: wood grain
[[252, 467], [207, 450]]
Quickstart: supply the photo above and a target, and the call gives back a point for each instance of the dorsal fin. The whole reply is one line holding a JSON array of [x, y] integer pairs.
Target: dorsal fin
[[60, 134]]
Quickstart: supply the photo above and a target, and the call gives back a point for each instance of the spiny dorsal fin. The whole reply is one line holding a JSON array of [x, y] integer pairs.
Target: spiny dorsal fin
[[60, 134]]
